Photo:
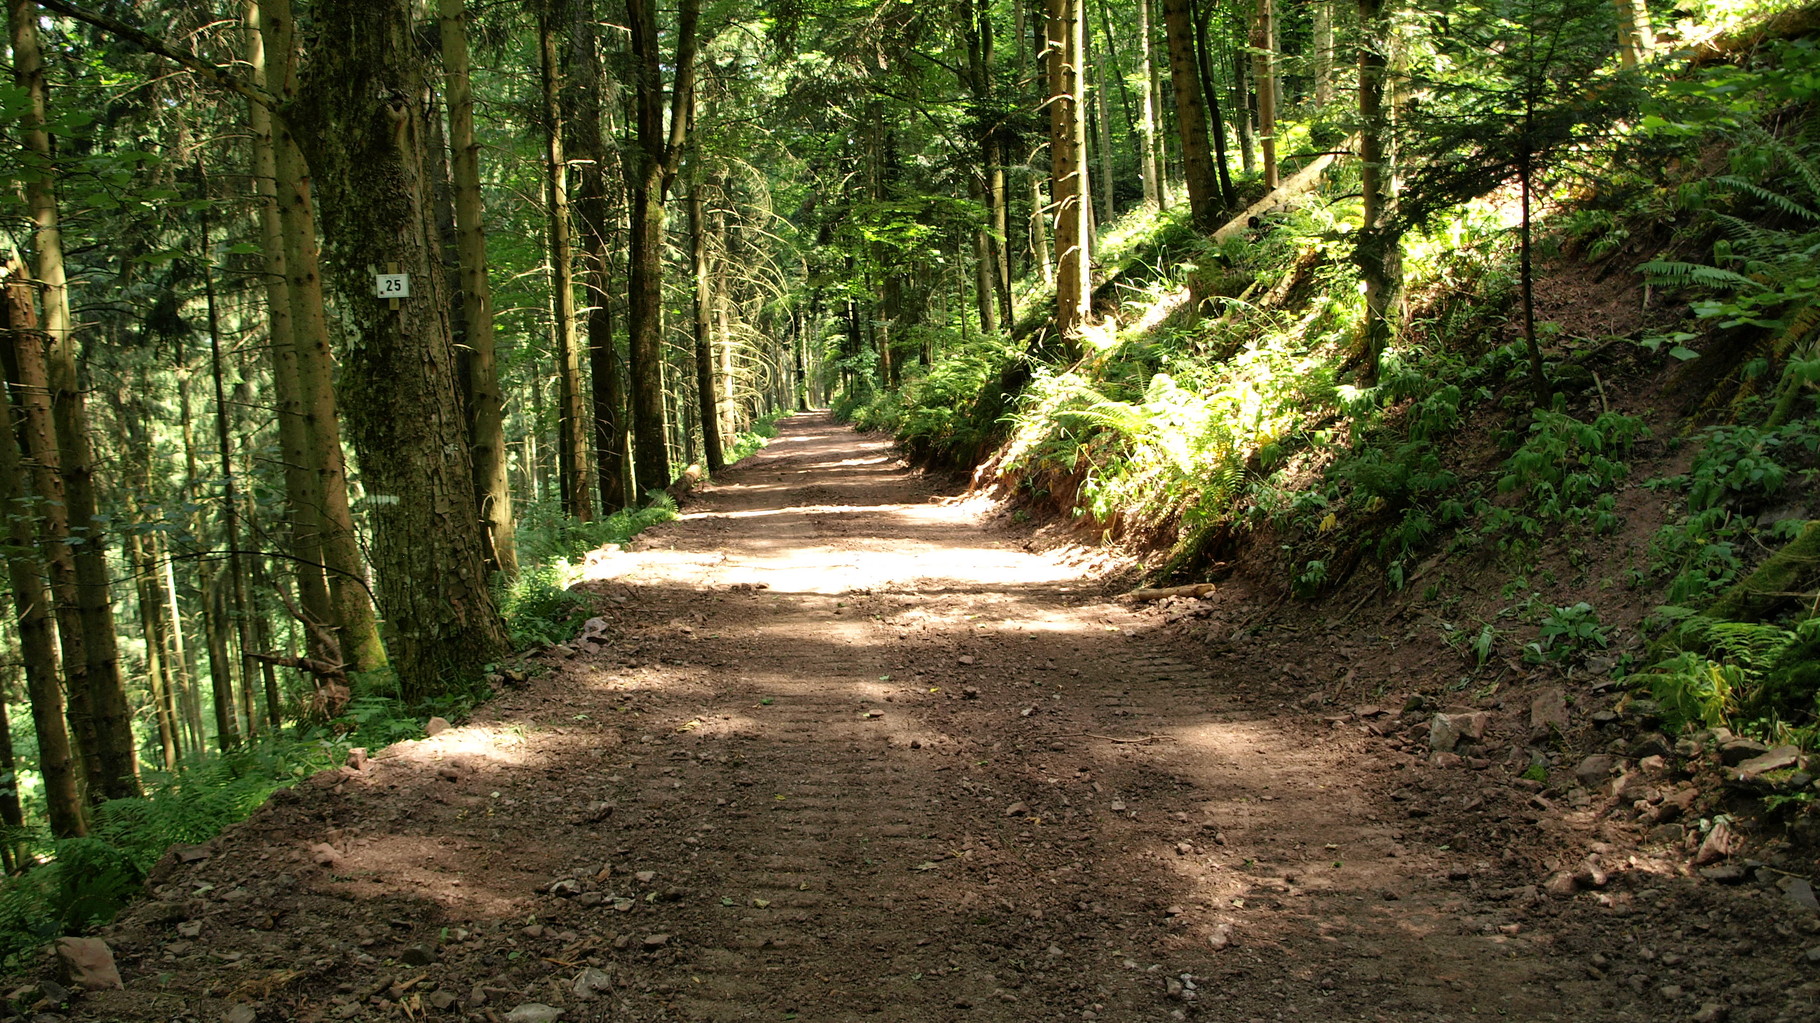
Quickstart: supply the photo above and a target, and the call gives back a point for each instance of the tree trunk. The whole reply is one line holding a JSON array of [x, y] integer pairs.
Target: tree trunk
[[1211, 93], [1376, 249], [27, 376], [189, 702], [571, 416], [32, 601], [652, 170], [303, 498], [1323, 52], [13, 849], [1265, 41], [707, 405], [1197, 158], [342, 561], [117, 767], [234, 596], [1068, 170], [221, 677], [1636, 36], [1102, 110], [979, 81], [594, 206], [486, 409], [985, 285], [361, 109], [151, 625], [1148, 160], [1241, 111]]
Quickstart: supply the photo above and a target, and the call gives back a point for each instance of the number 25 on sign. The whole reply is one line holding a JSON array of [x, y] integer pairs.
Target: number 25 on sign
[[392, 285]]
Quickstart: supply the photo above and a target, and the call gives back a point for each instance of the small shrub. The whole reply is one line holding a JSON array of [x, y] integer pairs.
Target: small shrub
[[1567, 634]]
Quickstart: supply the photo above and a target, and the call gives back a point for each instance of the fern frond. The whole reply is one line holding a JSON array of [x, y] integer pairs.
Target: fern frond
[[1767, 196], [1672, 273], [1753, 237], [1800, 329]]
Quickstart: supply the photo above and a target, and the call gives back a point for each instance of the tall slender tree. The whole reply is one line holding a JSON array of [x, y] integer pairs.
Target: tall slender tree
[[486, 409], [654, 156], [572, 418], [31, 597], [116, 765], [1191, 117], [1376, 250], [354, 619], [1068, 168]]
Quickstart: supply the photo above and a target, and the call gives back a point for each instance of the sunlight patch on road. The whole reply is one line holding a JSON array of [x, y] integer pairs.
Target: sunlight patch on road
[[498, 745]]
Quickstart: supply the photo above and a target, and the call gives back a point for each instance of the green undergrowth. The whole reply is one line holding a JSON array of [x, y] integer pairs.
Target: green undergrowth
[[1221, 414], [747, 443], [77, 883], [539, 606]]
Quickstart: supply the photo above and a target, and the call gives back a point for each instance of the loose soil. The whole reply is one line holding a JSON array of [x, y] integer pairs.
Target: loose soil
[[845, 747]]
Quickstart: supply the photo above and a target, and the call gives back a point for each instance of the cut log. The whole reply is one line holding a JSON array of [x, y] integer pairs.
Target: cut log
[[1149, 593], [1301, 181], [1790, 24], [690, 478]]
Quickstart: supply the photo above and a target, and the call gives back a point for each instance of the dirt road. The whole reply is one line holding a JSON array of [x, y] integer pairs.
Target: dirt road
[[847, 754]]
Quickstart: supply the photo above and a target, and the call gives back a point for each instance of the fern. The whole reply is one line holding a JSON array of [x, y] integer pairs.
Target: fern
[[1767, 196], [1675, 274]]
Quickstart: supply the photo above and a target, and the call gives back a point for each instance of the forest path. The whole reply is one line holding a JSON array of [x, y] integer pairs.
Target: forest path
[[847, 753]]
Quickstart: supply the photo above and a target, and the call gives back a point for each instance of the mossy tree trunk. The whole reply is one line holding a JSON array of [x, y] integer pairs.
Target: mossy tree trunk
[[344, 565], [572, 447], [361, 109]]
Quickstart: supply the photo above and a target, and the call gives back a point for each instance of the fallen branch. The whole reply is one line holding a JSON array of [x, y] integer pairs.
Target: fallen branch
[[309, 664], [1139, 741], [1149, 593]]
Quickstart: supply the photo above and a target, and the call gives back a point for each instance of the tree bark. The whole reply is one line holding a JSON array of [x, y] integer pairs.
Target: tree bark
[[652, 170], [571, 416], [1636, 36], [303, 499], [1102, 109], [1241, 110], [361, 110], [1068, 170], [189, 703], [235, 596], [32, 602], [707, 405], [1375, 252], [1266, 43], [1148, 160], [978, 37], [486, 407], [343, 563], [1323, 52], [116, 773], [1210, 91], [594, 209], [1197, 159]]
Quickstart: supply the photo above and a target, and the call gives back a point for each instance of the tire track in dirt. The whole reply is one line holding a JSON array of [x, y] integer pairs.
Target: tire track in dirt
[[848, 754]]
